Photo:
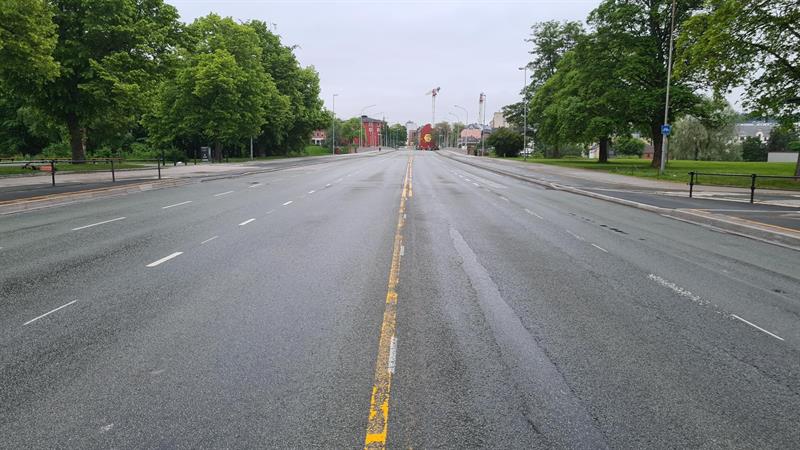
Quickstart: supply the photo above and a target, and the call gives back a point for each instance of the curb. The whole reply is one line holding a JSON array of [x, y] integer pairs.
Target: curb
[[46, 201], [771, 234]]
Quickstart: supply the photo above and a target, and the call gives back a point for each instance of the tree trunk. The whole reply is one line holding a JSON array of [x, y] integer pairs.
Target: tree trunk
[[217, 151], [76, 141], [797, 168], [603, 157], [655, 135]]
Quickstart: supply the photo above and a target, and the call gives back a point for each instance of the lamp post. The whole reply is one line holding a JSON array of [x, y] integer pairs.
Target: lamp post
[[524, 69], [665, 129], [454, 128], [333, 127], [361, 118]]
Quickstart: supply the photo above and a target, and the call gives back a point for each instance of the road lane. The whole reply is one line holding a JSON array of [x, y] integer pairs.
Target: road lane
[[264, 337], [651, 367], [511, 332]]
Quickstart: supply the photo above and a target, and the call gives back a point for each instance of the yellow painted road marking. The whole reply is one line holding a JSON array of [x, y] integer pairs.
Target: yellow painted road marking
[[378, 421]]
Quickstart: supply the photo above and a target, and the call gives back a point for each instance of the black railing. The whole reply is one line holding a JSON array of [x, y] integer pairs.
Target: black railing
[[694, 179], [116, 165]]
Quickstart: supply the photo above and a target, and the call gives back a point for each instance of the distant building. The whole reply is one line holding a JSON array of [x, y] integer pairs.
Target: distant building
[[411, 133], [319, 136], [760, 130], [499, 120], [372, 131], [472, 133]]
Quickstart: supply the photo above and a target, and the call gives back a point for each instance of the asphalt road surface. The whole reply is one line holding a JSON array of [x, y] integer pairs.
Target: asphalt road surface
[[298, 308]]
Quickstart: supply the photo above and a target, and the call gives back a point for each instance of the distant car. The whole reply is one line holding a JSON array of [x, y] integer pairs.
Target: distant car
[[526, 152]]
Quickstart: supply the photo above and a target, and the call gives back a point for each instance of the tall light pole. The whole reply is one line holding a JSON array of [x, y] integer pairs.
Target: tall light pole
[[524, 69], [333, 127], [361, 118], [482, 110], [466, 124], [665, 129], [454, 128]]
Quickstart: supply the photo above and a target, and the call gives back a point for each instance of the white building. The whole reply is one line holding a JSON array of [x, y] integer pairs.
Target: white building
[[499, 120], [760, 130]]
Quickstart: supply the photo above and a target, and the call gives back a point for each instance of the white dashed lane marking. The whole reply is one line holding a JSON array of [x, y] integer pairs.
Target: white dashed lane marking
[[176, 204], [98, 223], [49, 312], [164, 259]]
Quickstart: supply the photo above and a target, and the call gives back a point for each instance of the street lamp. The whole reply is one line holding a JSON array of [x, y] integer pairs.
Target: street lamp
[[524, 69], [361, 118], [665, 129], [333, 127], [467, 113], [454, 128]]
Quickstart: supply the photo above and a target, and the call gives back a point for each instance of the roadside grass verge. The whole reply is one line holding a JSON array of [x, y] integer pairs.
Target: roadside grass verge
[[7, 169], [678, 171]]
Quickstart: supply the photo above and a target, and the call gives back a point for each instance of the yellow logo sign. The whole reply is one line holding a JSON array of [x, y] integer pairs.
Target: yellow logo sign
[[427, 138]]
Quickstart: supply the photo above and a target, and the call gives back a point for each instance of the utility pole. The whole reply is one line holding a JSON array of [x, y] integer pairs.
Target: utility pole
[[666, 129], [333, 127], [525, 111], [251, 148]]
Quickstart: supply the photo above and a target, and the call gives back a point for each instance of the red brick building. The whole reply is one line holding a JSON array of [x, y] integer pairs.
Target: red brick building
[[371, 131]]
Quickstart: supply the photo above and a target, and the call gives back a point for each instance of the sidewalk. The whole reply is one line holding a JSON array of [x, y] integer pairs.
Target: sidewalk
[[20, 187], [775, 214]]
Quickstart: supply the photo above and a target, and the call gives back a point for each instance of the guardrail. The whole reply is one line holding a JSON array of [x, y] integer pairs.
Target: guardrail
[[51, 165], [694, 179]]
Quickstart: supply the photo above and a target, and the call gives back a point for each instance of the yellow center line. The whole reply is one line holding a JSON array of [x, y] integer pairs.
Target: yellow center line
[[378, 421]]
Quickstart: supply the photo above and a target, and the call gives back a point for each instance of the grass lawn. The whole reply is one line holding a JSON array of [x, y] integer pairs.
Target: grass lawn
[[678, 171]]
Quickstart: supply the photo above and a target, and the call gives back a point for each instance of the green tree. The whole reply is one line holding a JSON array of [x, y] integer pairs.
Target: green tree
[[221, 92], [628, 146], [748, 42], [290, 127], [698, 140], [781, 139], [27, 42], [637, 34], [506, 142], [550, 41], [753, 149], [111, 54]]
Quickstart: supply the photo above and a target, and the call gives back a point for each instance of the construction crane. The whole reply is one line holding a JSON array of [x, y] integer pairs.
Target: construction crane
[[433, 93]]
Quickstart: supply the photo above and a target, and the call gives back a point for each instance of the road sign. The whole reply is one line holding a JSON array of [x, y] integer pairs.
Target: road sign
[[666, 129]]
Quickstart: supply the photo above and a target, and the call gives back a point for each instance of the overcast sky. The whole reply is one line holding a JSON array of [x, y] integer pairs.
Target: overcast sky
[[390, 53]]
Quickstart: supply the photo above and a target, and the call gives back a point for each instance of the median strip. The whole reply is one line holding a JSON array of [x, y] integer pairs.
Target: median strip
[[378, 419]]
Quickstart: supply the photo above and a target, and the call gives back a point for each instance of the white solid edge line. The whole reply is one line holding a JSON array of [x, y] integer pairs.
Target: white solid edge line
[[48, 313], [176, 204], [99, 223], [223, 193], [209, 240], [392, 363], [164, 259], [757, 327], [246, 222], [533, 213], [599, 248], [288, 203]]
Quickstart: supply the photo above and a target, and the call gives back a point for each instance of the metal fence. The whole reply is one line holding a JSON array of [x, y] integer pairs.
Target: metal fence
[[716, 179], [115, 165]]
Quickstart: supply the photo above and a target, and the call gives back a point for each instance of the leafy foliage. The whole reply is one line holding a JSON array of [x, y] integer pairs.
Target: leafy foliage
[[753, 149], [506, 142]]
